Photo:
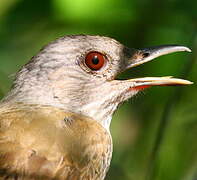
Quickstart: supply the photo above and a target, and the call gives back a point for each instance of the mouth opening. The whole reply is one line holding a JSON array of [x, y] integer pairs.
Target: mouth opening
[[142, 56], [146, 82]]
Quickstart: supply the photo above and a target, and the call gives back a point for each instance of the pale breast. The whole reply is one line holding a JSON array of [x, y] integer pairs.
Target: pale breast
[[49, 143]]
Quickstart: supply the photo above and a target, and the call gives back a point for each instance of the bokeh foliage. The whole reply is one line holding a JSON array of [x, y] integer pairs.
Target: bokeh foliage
[[155, 133]]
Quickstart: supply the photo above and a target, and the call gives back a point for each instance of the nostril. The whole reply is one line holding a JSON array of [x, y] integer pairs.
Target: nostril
[[146, 54]]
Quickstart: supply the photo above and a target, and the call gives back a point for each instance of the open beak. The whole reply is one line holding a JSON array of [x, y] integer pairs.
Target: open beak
[[142, 56]]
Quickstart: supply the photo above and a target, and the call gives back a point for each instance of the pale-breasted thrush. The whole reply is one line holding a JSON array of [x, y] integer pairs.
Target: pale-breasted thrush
[[54, 123]]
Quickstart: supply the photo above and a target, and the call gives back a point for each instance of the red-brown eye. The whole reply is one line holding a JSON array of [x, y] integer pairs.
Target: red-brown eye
[[95, 60]]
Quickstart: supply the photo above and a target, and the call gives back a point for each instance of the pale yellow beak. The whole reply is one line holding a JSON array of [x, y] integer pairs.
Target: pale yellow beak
[[159, 81]]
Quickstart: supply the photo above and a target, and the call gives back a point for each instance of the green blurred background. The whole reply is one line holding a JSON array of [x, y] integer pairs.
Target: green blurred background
[[155, 133]]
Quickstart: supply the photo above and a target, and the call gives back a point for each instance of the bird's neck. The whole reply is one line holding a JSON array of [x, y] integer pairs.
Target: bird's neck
[[97, 110], [68, 92]]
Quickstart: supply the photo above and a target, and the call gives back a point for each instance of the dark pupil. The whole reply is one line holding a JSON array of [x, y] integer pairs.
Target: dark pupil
[[95, 60]]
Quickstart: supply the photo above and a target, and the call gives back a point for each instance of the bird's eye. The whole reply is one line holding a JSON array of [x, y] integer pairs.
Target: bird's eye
[[95, 60]]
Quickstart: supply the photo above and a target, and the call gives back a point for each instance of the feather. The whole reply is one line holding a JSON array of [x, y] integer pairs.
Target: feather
[[43, 142]]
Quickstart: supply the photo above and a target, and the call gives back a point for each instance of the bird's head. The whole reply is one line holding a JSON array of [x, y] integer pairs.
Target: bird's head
[[78, 73]]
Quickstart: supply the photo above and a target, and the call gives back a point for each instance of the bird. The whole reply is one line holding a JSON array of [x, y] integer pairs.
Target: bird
[[55, 120]]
